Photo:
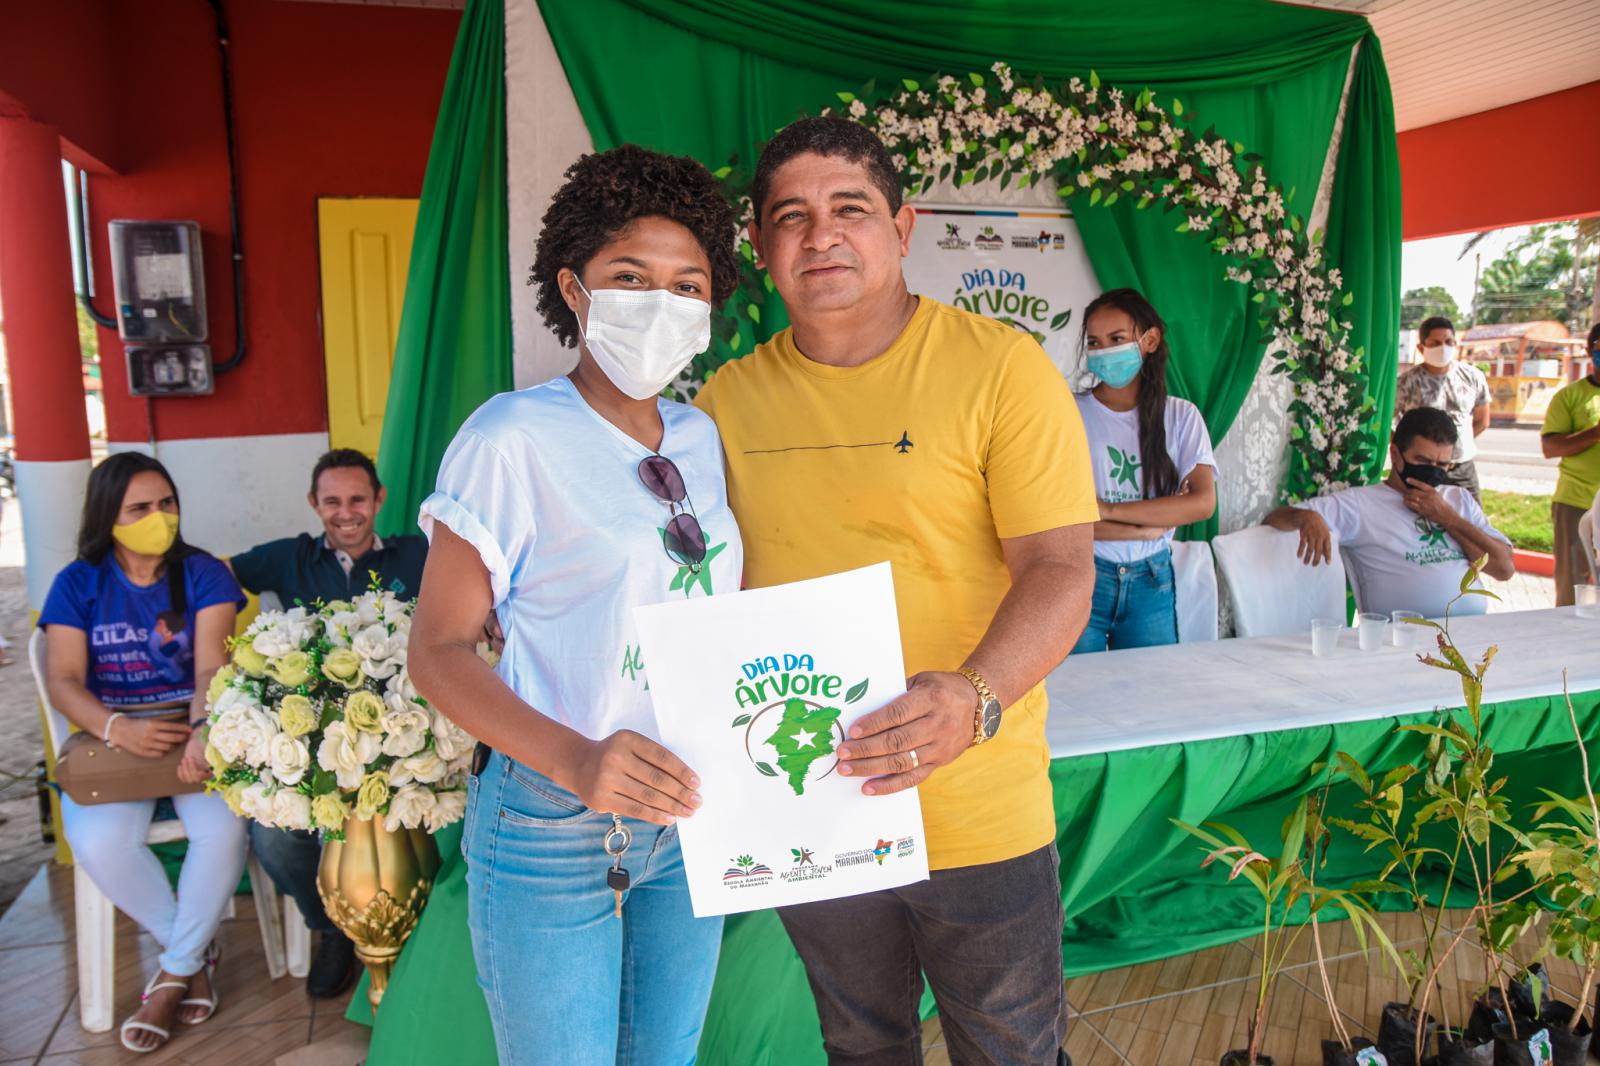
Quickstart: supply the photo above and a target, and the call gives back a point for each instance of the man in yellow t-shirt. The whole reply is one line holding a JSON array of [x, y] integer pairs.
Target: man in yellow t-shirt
[[1571, 433], [882, 426]]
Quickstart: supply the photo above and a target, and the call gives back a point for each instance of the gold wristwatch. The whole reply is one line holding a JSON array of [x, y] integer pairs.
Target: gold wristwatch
[[986, 720]]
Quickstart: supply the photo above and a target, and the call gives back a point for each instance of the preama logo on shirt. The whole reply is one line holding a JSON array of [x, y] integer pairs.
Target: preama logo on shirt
[[688, 577], [797, 719], [1433, 545], [1124, 467]]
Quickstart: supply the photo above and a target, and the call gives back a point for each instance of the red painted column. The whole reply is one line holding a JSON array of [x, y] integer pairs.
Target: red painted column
[[41, 343]]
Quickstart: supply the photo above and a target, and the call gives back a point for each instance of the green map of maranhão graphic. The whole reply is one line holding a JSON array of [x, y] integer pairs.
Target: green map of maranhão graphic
[[804, 736], [793, 719]]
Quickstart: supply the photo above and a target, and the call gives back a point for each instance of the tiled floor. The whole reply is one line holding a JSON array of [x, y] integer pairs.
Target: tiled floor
[[258, 1020], [1521, 592], [1182, 1011]]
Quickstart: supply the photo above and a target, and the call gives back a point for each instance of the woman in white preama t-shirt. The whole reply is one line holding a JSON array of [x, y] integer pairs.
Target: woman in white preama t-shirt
[[563, 507], [1153, 471]]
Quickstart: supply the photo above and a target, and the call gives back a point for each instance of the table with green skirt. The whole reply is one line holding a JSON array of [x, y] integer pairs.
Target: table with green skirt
[[1224, 731]]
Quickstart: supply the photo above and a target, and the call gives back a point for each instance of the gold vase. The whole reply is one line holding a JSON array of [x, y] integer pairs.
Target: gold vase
[[374, 884]]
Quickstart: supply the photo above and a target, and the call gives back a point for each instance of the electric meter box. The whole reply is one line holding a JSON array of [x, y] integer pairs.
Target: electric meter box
[[170, 371], [159, 280]]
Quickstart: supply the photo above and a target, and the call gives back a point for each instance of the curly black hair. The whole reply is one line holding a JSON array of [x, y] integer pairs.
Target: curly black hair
[[604, 194]]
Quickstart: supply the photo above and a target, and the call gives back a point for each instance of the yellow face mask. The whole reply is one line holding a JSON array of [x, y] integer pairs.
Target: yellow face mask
[[151, 535]]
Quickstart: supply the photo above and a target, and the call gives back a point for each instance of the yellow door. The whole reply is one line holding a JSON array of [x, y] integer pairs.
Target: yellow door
[[365, 250]]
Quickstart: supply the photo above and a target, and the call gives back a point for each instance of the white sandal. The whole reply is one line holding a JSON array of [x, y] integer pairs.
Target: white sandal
[[213, 957], [132, 1025]]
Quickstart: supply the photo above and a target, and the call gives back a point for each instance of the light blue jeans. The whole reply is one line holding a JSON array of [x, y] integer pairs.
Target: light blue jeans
[[1134, 605], [567, 982]]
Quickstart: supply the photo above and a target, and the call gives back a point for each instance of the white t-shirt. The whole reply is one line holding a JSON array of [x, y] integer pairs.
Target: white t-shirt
[[1402, 561], [1118, 468], [549, 494]]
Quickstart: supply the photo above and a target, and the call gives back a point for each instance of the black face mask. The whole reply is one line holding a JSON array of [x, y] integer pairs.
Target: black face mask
[[1426, 473]]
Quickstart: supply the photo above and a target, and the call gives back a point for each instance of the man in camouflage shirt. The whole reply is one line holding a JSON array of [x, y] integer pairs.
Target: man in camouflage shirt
[[1459, 389]]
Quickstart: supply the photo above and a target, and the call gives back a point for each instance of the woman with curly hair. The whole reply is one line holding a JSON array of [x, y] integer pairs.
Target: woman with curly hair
[[562, 507]]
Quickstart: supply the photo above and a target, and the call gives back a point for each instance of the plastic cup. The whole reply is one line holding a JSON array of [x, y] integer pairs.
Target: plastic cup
[[1325, 636], [1586, 598], [1405, 633], [1369, 630]]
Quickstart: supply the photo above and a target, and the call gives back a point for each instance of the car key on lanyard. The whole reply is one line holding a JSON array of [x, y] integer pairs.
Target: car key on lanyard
[[618, 839]]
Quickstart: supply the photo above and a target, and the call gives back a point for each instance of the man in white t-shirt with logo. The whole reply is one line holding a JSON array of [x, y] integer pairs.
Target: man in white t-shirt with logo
[[1409, 538]]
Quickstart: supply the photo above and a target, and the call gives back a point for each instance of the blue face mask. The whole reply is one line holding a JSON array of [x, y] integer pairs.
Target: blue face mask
[[1117, 365]]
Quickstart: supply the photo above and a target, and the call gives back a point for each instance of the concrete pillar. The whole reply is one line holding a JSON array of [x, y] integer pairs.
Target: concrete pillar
[[41, 343]]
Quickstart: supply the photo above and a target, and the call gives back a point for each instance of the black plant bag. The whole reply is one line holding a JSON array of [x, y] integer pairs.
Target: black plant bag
[[1571, 1046], [1334, 1054], [1519, 1050], [1397, 1034]]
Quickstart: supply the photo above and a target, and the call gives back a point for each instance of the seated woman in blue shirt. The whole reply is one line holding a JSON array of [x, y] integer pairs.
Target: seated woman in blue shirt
[[135, 628]]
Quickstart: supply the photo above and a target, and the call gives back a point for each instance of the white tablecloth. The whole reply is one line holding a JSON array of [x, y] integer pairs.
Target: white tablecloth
[[1147, 696]]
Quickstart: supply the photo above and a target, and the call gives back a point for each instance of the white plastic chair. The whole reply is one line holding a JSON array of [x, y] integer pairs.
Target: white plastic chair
[[1194, 577], [1358, 579], [1586, 536], [1273, 592], [95, 916]]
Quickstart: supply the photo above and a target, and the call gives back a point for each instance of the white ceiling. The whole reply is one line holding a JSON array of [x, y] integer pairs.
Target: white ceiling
[[1449, 58]]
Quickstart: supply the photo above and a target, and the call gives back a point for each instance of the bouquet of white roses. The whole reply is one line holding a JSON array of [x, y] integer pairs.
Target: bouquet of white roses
[[315, 720]]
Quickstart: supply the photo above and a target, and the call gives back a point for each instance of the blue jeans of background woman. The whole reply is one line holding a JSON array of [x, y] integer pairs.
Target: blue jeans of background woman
[[1134, 605], [567, 982], [108, 842]]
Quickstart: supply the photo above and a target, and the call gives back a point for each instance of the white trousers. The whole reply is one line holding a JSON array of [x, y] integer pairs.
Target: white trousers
[[108, 840]]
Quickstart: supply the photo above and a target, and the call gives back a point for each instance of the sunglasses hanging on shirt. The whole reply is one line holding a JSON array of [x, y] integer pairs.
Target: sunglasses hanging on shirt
[[682, 537]]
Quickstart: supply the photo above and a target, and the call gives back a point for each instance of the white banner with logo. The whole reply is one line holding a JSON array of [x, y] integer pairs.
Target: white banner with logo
[[1023, 266], [755, 691]]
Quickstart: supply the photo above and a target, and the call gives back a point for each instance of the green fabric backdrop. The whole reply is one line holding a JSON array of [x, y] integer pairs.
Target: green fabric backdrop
[[1131, 884], [454, 347], [1267, 75]]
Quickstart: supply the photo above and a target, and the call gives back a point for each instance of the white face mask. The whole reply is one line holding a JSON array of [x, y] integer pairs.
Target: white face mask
[[643, 340], [1443, 355]]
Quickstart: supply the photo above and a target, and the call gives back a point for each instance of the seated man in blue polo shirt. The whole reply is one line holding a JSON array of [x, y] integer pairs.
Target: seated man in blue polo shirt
[[338, 565]]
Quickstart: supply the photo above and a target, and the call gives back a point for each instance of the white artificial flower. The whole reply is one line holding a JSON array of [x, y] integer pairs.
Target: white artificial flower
[[448, 808], [383, 669], [368, 608], [289, 758], [374, 642], [395, 611], [291, 809], [224, 735], [300, 625], [449, 739], [338, 626], [425, 767], [274, 641], [256, 803], [243, 733], [347, 752], [238, 696], [405, 727], [400, 685], [409, 807]]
